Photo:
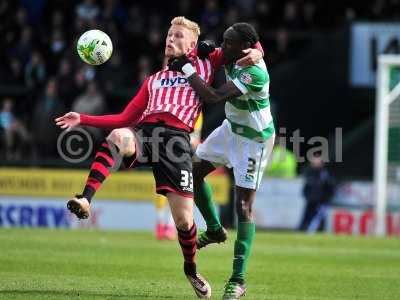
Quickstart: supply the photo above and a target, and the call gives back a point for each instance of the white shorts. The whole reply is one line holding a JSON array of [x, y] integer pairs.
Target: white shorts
[[248, 158]]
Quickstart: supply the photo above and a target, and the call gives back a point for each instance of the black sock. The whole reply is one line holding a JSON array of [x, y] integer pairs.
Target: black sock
[[189, 268]]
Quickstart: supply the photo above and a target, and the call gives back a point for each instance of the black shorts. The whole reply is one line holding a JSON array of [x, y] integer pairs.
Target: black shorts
[[167, 150]]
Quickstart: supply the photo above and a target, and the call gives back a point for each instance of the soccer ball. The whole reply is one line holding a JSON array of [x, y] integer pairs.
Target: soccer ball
[[94, 47]]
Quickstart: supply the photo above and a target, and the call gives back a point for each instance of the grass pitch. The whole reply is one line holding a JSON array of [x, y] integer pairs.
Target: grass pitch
[[58, 264]]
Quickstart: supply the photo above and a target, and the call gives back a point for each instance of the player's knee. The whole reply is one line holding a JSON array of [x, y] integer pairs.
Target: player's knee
[[244, 210], [124, 140], [183, 223], [114, 137]]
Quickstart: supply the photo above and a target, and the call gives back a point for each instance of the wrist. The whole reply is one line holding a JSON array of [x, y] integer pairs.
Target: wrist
[[83, 119], [188, 70]]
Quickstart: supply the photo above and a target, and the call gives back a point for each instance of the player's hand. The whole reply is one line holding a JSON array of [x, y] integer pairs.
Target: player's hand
[[253, 56], [204, 48], [176, 63], [69, 120]]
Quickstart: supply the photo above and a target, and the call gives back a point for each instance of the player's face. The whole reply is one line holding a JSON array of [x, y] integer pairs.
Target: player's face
[[232, 45], [179, 41]]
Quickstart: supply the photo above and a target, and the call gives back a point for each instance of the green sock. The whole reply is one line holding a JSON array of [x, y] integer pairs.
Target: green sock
[[243, 243], [204, 202]]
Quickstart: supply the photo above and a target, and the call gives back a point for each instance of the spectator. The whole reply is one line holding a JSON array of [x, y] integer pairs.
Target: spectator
[[318, 190], [65, 77], [91, 102], [246, 7], [12, 131], [80, 81], [22, 50], [280, 50], [57, 47], [34, 10], [117, 82], [291, 18], [15, 76], [154, 21], [9, 28], [79, 26], [35, 71], [186, 8], [211, 16], [21, 17], [155, 42], [231, 16], [309, 10], [377, 8], [263, 13], [57, 19], [46, 110], [144, 67], [135, 24], [87, 10], [114, 11]]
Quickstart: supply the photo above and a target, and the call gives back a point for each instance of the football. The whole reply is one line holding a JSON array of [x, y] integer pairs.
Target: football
[[94, 47]]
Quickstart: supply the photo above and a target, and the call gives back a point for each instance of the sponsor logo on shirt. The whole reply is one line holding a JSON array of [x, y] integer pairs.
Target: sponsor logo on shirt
[[187, 189], [174, 81]]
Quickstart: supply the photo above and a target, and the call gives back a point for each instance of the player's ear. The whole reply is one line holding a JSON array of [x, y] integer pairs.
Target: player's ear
[[246, 45], [193, 44]]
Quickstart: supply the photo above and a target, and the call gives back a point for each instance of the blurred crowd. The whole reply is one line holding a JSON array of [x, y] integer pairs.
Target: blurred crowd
[[41, 76]]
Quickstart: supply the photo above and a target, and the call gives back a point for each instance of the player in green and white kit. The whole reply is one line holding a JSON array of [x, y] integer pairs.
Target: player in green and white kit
[[243, 142]]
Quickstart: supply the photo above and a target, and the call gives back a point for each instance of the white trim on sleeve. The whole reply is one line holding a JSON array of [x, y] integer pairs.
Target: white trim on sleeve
[[240, 86]]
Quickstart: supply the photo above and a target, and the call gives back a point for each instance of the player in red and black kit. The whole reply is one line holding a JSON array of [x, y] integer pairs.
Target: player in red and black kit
[[154, 129]]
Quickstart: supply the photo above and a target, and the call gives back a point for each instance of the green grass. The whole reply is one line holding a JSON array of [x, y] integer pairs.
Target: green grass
[[57, 264]]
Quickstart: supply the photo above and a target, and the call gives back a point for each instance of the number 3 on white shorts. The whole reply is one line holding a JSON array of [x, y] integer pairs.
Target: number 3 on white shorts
[[186, 179]]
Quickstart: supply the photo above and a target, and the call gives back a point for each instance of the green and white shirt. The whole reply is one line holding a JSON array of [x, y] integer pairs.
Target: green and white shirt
[[249, 114]]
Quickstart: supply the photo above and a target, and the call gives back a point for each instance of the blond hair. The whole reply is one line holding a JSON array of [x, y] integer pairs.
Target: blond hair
[[192, 26]]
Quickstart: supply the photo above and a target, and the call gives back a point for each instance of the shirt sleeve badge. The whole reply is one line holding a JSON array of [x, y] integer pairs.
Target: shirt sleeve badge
[[245, 78]]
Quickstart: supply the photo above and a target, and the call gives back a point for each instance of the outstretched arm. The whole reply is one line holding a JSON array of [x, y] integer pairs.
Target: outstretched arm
[[211, 95], [206, 49], [206, 92], [249, 79], [127, 117]]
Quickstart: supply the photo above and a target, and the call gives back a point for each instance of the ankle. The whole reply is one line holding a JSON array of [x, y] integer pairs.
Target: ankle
[[88, 193], [189, 268], [236, 280], [217, 232], [214, 228]]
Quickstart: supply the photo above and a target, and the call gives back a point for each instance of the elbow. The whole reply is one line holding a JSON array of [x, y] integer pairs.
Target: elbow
[[127, 123], [210, 100], [120, 123]]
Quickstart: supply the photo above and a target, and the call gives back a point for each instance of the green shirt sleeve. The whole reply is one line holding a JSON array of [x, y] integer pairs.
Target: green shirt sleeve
[[251, 79]]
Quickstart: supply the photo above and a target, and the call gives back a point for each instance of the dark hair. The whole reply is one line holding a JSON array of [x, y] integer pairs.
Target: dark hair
[[246, 32]]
